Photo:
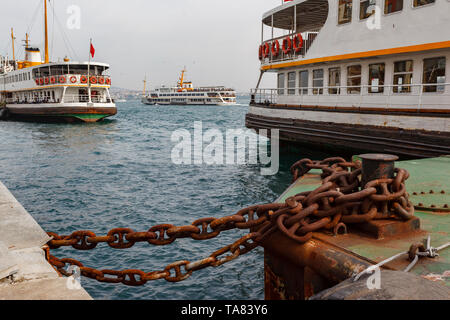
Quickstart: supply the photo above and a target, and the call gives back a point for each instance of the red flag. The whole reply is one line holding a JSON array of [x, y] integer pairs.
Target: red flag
[[92, 51]]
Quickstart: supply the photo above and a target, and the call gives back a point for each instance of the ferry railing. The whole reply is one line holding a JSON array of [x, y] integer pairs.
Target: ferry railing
[[345, 95], [77, 98], [292, 55]]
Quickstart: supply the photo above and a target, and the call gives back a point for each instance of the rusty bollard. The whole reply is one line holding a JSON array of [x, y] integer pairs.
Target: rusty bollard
[[377, 166]]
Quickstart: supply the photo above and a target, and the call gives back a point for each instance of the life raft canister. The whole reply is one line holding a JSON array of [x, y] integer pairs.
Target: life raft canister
[[83, 79], [93, 80], [298, 43], [73, 79], [52, 80], [287, 45], [266, 49], [62, 79], [275, 48]]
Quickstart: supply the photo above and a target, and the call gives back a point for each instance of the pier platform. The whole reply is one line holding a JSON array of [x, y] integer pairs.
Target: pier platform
[[25, 273]]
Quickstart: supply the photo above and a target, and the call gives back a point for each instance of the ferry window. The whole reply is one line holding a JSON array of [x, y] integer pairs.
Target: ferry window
[[364, 11], [345, 11], [418, 3], [304, 82], [391, 6], [281, 83], [318, 81], [403, 75], [434, 73], [376, 78], [334, 80], [291, 83], [354, 79]]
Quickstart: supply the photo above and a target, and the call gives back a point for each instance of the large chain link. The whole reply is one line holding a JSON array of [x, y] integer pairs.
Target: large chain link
[[340, 200]]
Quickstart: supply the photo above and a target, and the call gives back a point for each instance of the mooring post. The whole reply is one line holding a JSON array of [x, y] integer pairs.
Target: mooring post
[[377, 166]]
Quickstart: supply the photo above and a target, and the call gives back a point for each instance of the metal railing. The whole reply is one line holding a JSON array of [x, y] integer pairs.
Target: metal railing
[[78, 98], [291, 55], [386, 96]]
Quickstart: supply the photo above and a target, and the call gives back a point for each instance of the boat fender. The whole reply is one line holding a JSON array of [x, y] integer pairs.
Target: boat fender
[[4, 114]]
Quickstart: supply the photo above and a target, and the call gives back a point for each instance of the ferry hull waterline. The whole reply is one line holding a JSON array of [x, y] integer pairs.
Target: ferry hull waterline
[[69, 91], [348, 78]]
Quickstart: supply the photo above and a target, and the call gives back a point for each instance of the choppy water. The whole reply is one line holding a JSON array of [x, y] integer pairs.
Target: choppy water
[[119, 174]]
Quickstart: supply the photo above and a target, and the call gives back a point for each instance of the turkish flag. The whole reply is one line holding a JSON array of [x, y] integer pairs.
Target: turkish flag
[[92, 51]]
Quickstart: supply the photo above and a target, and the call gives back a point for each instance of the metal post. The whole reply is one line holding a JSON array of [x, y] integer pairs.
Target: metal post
[[377, 166]]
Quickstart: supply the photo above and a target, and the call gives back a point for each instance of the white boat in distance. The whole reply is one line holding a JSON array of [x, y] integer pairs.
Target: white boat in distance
[[185, 94]]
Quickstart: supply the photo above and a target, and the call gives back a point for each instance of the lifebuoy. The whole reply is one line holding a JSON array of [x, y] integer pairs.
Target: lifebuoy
[[83, 79], [73, 79], [287, 45], [62, 79], [275, 48], [41, 81], [37, 81], [108, 81], [298, 43], [52, 80], [260, 52], [101, 80], [46, 80], [266, 49], [93, 80]]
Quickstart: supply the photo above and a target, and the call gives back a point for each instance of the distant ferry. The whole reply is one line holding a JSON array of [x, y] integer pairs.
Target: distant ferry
[[72, 91], [185, 94]]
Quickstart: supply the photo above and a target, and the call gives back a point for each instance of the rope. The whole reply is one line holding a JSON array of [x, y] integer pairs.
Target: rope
[[428, 252]]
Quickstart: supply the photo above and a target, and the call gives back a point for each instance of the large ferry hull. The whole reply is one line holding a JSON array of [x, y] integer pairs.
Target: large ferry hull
[[411, 136], [63, 112]]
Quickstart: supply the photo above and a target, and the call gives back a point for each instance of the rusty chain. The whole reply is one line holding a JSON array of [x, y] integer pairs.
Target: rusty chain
[[340, 200]]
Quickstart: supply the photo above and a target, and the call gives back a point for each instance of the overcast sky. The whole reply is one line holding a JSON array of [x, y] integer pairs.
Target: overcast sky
[[216, 40]]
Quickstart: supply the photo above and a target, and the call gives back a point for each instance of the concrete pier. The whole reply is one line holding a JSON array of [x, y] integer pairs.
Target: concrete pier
[[25, 274]]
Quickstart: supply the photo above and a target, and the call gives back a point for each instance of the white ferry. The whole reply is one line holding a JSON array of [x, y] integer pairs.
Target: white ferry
[[73, 91], [364, 75], [185, 94]]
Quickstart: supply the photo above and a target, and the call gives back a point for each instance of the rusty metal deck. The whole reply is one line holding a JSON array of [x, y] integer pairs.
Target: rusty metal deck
[[429, 186]]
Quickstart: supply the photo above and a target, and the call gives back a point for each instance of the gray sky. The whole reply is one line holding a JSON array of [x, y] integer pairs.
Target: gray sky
[[216, 40]]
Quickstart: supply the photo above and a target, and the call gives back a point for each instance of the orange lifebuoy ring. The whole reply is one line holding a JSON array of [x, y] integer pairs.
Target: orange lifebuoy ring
[[52, 80], [62, 79], [37, 81], [275, 48], [101, 80], [287, 45], [266, 49], [93, 80], [260, 52], [46, 80], [73, 79], [83, 79], [108, 81], [41, 81], [298, 43]]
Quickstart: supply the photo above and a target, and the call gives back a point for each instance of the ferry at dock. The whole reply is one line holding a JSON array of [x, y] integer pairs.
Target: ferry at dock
[[186, 94], [67, 90], [357, 75]]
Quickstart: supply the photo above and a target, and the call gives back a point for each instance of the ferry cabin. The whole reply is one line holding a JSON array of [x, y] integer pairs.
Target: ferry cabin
[[378, 69], [198, 96]]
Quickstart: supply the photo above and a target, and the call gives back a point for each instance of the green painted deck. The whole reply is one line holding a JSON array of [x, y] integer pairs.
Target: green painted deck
[[426, 175]]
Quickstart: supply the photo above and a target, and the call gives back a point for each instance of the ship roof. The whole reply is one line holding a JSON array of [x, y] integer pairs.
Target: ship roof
[[311, 14]]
